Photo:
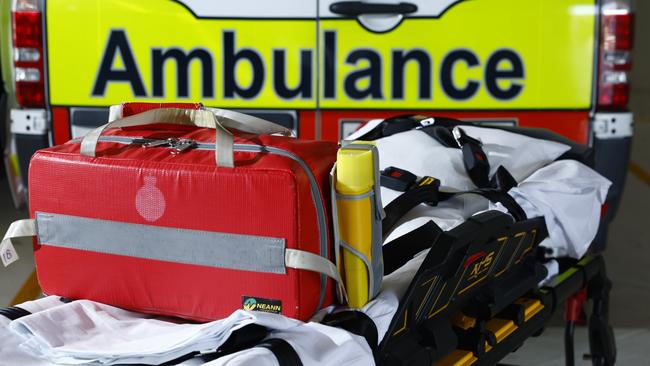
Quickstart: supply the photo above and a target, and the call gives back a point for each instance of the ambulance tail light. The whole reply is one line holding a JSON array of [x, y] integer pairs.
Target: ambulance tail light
[[615, 59], [27, 28]]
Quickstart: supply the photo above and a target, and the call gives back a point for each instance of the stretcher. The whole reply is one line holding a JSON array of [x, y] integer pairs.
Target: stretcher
[[475, 296]]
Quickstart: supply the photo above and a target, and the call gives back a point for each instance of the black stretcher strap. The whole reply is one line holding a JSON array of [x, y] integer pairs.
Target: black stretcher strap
[[407, 122], [283, 351], [503, 180], [474, 158], [401, 250], [243, 338], [14, 312], [356, 322], [406, 202], [495, 196]]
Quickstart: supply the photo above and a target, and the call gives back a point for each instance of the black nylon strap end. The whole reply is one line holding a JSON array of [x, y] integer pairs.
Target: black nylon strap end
[[14, 312], [283, 351], [355, 322]]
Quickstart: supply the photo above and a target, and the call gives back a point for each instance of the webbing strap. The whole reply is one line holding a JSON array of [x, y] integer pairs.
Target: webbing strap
[[398, 207], [475, 159], [356, 322], [401, 250], [18, 229], [495, 196], [300, 259], [214, 118], [283, 351], [14, 312]]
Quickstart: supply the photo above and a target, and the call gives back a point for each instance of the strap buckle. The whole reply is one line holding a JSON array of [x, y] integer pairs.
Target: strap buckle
[[463, 138], [397, 179]]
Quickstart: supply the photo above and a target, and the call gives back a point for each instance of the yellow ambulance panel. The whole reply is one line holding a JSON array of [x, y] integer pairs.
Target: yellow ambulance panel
[[297, 54]]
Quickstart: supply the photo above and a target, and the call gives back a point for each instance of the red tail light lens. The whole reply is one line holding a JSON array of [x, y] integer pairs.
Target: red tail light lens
[[615, 61], [27, 28]]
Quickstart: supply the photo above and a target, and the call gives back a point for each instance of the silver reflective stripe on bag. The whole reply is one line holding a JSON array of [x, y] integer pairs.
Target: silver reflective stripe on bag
[[197, 247], [204, 248]]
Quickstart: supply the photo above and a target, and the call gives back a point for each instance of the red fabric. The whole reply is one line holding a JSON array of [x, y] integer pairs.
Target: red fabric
[[265, 195], [60, 125]]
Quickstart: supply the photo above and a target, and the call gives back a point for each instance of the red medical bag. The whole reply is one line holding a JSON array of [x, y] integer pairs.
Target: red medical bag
[[145, 219]]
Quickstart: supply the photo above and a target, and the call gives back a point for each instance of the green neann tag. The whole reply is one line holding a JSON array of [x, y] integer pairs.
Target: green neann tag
[[250, 303]]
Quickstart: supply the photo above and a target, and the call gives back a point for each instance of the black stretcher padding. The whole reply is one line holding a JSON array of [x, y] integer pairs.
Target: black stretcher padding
[[14, 312], [283, 351]]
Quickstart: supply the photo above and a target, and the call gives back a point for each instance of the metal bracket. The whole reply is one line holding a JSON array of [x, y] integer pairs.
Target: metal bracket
[[29, 121], [613, 125]]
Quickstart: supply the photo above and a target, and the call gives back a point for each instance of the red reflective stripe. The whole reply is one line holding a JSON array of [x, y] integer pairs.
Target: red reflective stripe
[[60, 125], [572, 124]]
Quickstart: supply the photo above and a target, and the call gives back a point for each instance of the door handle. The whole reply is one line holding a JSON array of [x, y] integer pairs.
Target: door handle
[[355, 8]]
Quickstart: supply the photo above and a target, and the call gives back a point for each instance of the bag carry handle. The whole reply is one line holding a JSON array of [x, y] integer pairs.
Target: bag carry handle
[[215, 118]]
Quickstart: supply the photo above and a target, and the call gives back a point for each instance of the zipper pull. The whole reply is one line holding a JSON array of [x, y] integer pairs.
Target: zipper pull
[[182, 145], [160, 143]]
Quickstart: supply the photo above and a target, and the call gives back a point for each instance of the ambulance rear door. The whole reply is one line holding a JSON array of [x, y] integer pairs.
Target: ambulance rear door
[[518, 62], [257, 56]]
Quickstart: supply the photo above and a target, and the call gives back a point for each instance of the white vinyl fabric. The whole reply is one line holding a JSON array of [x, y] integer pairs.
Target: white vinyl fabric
[[422, 155], [567, 193], [86, 332], [569, 196]]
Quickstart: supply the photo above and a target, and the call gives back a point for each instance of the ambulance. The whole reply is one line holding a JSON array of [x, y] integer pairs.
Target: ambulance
[[324, 67]]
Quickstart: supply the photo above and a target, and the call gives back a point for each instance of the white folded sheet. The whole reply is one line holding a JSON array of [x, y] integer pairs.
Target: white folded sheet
[[86, 332]]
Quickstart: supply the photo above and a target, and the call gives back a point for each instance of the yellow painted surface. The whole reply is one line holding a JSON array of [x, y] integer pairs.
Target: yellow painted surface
[[355, 176], [458, 358], [554, 39]]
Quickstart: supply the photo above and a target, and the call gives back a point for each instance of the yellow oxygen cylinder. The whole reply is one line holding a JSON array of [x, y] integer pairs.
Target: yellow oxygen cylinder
[[355, 181]]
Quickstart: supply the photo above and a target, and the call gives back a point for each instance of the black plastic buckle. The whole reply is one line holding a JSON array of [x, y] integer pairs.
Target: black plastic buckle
[[474, 158], [397, 179]]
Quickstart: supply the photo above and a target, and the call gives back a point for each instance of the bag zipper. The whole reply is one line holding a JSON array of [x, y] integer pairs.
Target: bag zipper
[[180, 145]]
